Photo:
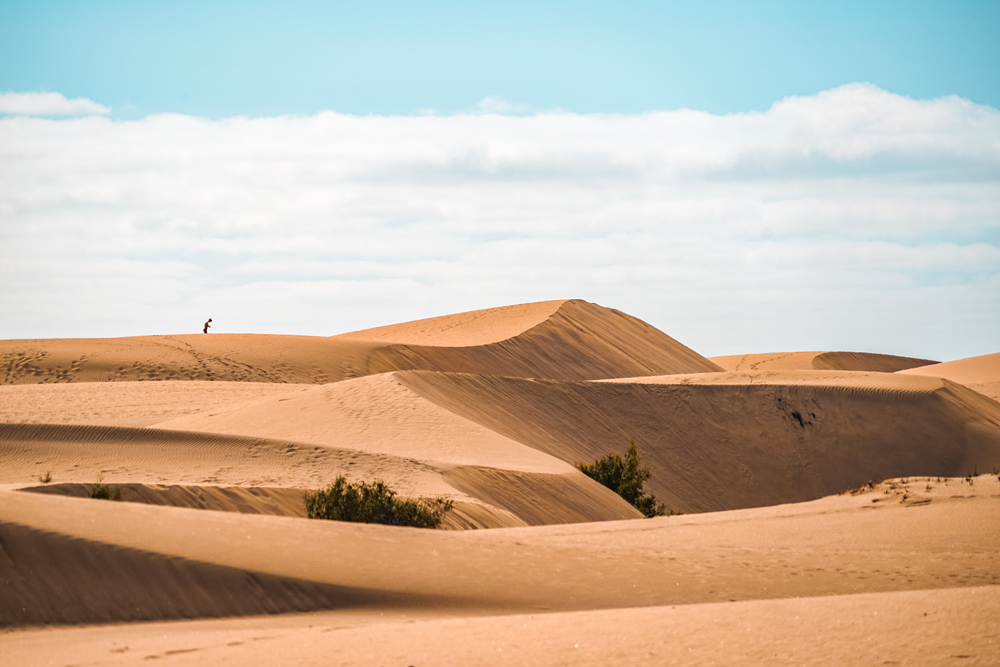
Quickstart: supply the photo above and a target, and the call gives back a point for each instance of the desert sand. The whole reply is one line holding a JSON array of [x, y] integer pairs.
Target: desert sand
[[979, 373], [820, 361], [836, 508]]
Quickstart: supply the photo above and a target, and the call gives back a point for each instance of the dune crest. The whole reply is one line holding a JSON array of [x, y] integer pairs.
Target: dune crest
[[474, 328], [979, 373], [567, 340], [837, 545], [821, 361]]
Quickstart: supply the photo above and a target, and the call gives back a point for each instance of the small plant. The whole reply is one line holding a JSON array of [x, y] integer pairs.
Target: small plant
[[46, 477], [625, 477], [373, 503], [102, 491]]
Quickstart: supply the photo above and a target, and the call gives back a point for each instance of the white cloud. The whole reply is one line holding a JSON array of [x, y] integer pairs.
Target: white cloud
[[851, 219], [497, 105], [49, 104]]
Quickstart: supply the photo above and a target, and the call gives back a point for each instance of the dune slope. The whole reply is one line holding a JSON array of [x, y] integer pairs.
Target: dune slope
[[838, 545], [579, 341], [572, 340], [822, 361], [979, 373], [52, 578], [134, 459], [127, 403], [927, 628], [741, 442]]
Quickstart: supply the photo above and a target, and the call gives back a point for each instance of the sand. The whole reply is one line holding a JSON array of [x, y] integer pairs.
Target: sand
[[127, 403], [577, 341], [821, 361], [835, 511], [979, 373], [934, 627]]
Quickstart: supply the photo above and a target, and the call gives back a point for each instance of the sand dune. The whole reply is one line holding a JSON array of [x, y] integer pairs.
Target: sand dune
[[927, 628], [979, 373], [713, 441], [579, 341], [571, 340], [213, 439], [820, 361], [284, 501], [834, 546], [82, 455], [471, 329], [127, 403], [213, 357], [729, 443], [377, 413]]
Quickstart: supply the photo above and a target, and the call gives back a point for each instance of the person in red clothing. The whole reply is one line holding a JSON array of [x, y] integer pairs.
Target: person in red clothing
[[207, 325]]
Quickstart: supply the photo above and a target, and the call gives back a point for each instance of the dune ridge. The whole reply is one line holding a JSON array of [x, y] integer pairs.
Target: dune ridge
[[288, 502], [724, 446], [836, 545], [575, 341], [134, 457], [469, 329], [820, 361], [980, 373]]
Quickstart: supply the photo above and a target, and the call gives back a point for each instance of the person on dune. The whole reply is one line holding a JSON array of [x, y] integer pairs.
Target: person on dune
[[207, 325]]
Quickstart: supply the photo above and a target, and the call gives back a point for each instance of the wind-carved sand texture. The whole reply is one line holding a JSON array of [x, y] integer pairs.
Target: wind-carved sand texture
[[836, 511]]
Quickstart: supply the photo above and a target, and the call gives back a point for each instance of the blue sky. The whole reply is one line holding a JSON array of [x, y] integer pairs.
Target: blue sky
[[747, 177], [217, 59]]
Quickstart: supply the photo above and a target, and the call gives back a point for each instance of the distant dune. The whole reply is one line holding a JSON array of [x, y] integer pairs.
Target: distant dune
[[820, 361], [565, 340], [826, 496], [979, 373]]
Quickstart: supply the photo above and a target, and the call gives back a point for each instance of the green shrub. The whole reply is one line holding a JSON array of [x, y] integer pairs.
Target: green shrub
[[102, 491], [373, 503], [625, 477]]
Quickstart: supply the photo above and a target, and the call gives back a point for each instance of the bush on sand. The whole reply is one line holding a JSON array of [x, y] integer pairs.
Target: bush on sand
[[625, 476], [373, 502]]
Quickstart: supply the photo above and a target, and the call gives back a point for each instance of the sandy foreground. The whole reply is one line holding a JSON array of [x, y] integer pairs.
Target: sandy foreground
[[838, 508]]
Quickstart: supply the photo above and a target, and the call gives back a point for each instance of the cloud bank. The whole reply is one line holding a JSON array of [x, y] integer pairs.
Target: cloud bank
[[852, 219], [49, 104]]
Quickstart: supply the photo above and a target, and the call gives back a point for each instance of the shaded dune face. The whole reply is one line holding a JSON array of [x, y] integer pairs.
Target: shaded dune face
[[55, 579], [104, 562], [823, 361], [715, 447], [234, 473], [580, 341], [576, 340]]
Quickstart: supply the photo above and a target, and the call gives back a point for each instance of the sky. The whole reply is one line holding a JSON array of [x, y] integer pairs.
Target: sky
[[745, 176]]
